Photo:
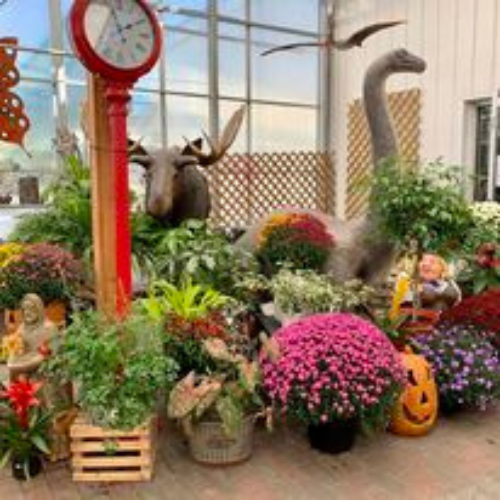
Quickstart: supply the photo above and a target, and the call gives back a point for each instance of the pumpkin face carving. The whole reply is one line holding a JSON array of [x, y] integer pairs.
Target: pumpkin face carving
[[416, 410]]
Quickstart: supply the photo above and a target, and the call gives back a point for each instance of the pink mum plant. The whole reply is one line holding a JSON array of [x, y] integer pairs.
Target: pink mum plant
[[333, 367]]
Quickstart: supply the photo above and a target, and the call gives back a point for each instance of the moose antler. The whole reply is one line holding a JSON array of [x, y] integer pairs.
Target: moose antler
[[138, 154], [217, 148]]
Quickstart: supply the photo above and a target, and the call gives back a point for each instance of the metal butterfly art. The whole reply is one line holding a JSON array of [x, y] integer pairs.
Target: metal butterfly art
[[14, 123]]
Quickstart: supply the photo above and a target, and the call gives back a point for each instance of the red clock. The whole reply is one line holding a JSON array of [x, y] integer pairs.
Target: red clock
[[120, 41], [117, 39]]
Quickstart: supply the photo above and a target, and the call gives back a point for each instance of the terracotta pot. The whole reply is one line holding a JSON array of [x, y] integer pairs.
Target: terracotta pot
[[12, 319], [55, 312]]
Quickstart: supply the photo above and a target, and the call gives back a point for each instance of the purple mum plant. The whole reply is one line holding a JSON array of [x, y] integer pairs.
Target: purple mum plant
[[332, 367], [466, 365]]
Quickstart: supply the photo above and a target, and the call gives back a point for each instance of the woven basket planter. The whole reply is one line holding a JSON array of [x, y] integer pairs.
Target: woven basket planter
[[209, 444]]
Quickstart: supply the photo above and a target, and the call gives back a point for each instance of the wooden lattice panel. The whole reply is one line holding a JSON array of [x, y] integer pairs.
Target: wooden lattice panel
[[405, 107], [245, 187]]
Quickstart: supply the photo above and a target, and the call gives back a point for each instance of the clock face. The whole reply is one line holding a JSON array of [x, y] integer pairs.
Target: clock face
[[120, 32]]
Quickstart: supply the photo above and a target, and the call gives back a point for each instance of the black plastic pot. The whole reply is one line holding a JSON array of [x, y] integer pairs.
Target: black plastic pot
[[18, 467], [333, 437]]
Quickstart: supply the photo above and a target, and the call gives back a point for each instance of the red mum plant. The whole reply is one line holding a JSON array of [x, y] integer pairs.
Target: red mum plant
[[299, 240], [481, 311]]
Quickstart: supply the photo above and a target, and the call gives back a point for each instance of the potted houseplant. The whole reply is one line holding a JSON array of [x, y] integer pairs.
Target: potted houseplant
[[333, 373], [466, 366], [420, 211], [188, 314], [304, 292], [118, 369], [46, 270], [296, 240], [482, 312], [24, 428], [217, 409]]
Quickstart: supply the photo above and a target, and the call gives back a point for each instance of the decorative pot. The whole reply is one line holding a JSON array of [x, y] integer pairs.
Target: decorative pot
[[333, 437], [209, 444], [34, 467]]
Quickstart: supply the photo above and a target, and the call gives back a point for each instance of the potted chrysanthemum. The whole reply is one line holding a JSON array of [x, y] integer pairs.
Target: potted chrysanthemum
[[49, 271], [466, 366], [333, 372]]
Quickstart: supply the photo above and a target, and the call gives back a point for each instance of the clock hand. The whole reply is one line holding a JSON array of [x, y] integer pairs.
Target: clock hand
[[119, 27], [131, 25]]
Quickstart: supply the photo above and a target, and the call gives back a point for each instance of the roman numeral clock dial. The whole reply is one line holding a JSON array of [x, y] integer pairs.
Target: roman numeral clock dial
[[115, 36]]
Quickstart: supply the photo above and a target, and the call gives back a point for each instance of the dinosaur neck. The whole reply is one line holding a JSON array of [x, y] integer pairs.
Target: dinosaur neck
[[383, 138]]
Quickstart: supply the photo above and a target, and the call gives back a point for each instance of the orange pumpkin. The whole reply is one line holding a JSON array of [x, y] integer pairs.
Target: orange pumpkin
[[416, 410]]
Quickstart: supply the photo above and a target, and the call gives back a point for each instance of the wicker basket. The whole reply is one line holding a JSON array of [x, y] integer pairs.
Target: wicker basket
[[209, 444]]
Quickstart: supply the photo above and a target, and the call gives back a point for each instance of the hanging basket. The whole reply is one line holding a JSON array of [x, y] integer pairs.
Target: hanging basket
[[209, 444]]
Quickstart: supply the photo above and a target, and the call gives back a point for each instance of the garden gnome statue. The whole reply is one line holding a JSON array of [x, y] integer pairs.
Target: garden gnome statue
[[436, 290], [36, 333]]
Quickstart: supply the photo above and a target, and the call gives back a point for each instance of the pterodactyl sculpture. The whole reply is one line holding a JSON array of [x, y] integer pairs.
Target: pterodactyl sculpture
[[355, 40]]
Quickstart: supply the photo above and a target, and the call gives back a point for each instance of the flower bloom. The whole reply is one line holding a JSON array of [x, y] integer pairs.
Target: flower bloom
[[332, 366]]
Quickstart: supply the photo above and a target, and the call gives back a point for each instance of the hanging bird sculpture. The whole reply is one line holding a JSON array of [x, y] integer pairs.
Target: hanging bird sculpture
[[355, 40]]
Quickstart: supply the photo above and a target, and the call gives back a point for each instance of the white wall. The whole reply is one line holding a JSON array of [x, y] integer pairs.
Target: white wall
[[459, 39]]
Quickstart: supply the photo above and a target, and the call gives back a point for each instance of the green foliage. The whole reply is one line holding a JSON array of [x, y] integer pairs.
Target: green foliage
[[206, 257], [188, 314], [67, 221], [306, 292], [485, 225], [23, 443], [119, 368], [420, 207], [189, 301]]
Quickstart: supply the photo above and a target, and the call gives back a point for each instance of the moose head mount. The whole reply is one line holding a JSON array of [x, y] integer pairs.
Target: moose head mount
[[176, 188]]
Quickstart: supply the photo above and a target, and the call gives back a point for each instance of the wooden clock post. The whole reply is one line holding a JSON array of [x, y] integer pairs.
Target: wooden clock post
[[118, 41]]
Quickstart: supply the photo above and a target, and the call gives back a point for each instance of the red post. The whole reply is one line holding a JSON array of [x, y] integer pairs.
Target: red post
[[118, 96]]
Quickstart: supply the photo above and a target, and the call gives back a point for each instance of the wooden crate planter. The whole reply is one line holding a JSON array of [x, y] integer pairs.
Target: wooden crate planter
[[101, 455]]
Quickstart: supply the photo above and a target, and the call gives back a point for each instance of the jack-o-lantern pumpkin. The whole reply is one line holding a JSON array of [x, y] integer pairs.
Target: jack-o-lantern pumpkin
[[416, 410]]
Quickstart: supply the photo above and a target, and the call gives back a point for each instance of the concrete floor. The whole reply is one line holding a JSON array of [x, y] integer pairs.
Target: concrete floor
[[460, 460]]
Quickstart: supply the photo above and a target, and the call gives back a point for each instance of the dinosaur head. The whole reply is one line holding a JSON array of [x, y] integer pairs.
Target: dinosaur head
[[402, 61]]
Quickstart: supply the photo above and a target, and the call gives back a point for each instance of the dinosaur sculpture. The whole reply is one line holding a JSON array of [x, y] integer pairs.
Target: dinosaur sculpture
[[176, 189], [358, 253]]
